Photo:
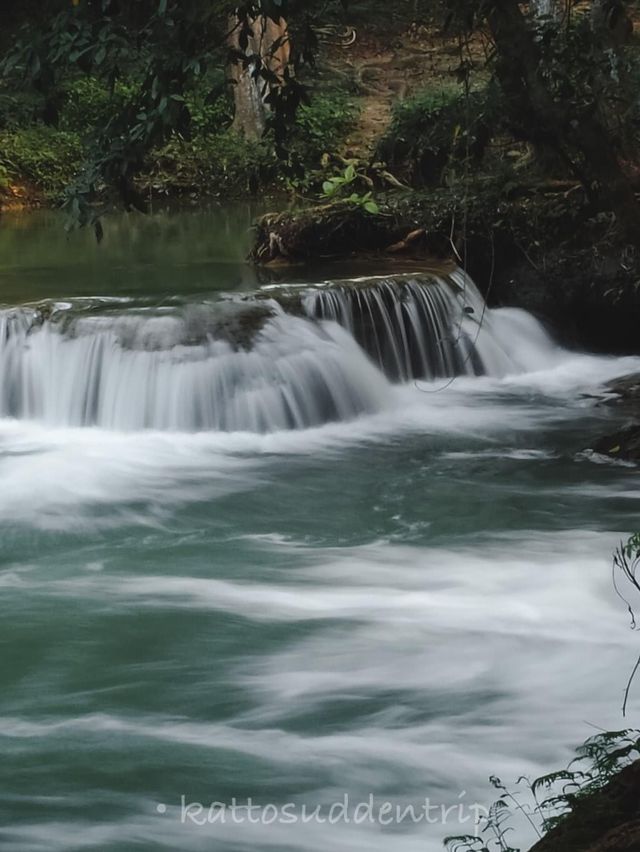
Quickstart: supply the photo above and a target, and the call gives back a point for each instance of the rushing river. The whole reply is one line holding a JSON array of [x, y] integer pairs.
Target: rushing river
[[403, 595]]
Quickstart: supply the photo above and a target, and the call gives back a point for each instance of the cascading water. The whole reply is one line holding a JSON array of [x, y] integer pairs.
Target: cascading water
[[380, 612], [191, 368], [430, 327], [411, 328], [135, 372]]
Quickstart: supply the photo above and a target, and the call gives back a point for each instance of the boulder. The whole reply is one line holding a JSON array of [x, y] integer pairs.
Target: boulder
[[607, 820]]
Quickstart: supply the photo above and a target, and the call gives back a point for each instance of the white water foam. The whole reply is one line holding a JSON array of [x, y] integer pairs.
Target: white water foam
[[497, 663], [176, 369]]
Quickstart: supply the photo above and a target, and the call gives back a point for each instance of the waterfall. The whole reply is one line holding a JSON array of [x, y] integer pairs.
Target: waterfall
[[412, 327], [254, 364], [113, 372]]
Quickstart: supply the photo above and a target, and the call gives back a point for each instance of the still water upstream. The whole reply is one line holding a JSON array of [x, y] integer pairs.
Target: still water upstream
[[354, 591]]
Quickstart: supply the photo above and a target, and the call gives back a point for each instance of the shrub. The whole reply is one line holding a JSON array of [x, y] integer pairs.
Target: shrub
[[47, 157], [220, 161], [211, 165], [210, 105], [436, 128], [320, 126], [89, 104], [19, 110]]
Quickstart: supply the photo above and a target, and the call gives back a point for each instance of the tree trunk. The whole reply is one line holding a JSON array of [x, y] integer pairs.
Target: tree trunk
[[267, 48], [610, 20], [546, 9], [546, 122]]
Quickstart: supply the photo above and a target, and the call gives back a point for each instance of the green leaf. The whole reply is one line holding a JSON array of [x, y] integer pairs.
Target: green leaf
[[372, 207]]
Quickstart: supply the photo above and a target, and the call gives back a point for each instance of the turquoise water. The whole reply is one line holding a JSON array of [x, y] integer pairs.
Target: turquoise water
[[395, 607]]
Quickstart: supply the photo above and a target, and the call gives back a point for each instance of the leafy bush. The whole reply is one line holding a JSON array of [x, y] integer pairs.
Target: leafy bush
[[89, 104], [339, 186], [47, 157], [207, 158], [19, 110], [211, 165], [216, 160], [437, 128], [320, 126], [210, 105]]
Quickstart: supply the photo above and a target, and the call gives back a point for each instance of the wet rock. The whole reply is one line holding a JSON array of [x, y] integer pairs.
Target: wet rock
[[541, 249], [239, 324], [626, 391], [624, 445]]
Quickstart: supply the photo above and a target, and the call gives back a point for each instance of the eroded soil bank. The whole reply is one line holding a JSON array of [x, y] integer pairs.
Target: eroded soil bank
[[543, 250]]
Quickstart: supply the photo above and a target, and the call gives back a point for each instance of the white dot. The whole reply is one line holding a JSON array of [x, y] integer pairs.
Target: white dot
[[162, 809]]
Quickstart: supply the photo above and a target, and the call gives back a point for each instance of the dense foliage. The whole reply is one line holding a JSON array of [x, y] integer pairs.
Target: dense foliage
[[146, 88], [437, 130]]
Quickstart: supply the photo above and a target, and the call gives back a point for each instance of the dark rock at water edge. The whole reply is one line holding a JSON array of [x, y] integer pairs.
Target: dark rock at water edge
[[325, 231], [624, 444], [607, 820], [543, 250], [626, 391]]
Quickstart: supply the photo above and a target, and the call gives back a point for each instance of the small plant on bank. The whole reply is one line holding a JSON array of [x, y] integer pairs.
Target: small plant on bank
[[626, 562], [552, 798], [335, 187], [547, 802]]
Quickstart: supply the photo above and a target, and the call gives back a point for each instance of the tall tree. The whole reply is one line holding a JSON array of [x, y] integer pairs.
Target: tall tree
[[260, 54], [611, 21], [551, 100], [547, 9]]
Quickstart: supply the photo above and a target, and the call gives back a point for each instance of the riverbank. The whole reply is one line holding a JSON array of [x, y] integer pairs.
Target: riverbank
[[543, 250], [377, 169], [606, 820], [435, 621]]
